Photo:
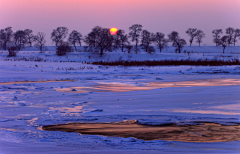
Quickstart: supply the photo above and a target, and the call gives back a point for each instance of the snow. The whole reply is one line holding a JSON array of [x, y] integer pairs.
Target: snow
[[34, 94]]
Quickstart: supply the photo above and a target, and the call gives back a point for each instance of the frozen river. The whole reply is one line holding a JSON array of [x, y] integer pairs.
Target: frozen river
[[25, 107], [202, 99]]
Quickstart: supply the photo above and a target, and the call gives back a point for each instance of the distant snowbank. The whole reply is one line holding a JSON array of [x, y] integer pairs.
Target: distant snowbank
[[193, 53]]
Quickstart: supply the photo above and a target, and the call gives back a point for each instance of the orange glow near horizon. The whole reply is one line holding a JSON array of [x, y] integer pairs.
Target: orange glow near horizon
[[154, 15], [113, 31]]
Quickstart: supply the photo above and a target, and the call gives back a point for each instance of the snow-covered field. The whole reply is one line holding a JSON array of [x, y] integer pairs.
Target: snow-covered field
[[59, 90]]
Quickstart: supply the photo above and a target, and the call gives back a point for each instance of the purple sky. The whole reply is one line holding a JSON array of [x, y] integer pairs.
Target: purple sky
[[155, 15]]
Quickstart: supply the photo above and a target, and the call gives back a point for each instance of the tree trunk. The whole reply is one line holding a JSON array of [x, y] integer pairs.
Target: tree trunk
[[136, 43], [136, 50], [5, 45], [223, 49], [75, 47], [101, 53]]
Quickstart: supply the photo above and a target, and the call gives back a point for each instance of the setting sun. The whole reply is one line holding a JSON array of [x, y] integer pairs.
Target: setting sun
[[113, 31]]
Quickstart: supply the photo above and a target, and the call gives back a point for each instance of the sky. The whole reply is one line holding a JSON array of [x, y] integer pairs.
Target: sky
[[155, 15]]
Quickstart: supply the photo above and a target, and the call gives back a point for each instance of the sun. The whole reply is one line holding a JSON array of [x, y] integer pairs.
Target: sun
[[113, 31]]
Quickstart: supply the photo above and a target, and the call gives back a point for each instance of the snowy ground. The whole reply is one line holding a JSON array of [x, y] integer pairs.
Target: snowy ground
[[79, 92]]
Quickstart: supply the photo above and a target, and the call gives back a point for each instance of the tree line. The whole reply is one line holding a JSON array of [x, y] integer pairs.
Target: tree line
[[100, 40]]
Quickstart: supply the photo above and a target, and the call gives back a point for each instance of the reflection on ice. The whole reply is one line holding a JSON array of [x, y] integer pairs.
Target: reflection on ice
[[233, 107], [197, 83], [123, 87], [67, 110], [204, 111]]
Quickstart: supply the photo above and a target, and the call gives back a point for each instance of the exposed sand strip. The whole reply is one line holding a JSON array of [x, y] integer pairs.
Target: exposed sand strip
[[206, 132]]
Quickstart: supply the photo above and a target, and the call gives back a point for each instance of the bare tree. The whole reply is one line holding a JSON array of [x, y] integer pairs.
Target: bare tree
[[135, 32], [236, 35], [58, 35], [91, 38], [29, 36], [129, 48], [12, 50], [177, 41], [216, 35], [99, 39], [161, 42], [6, 37], [121, 40], [223, 41], [40, 41], [192, 33], [199, 36], [75, 38], [230, 33], [147, 39], [20, 39], [111, 42], [1, 38], [63, 48]]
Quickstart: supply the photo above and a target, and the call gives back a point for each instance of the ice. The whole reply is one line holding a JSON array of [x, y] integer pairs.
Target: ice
[[97, 110], [15, 98], [21, 104], [45, 92]]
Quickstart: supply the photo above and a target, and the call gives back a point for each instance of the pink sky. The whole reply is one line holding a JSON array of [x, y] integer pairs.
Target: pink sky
[[155, 15]]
